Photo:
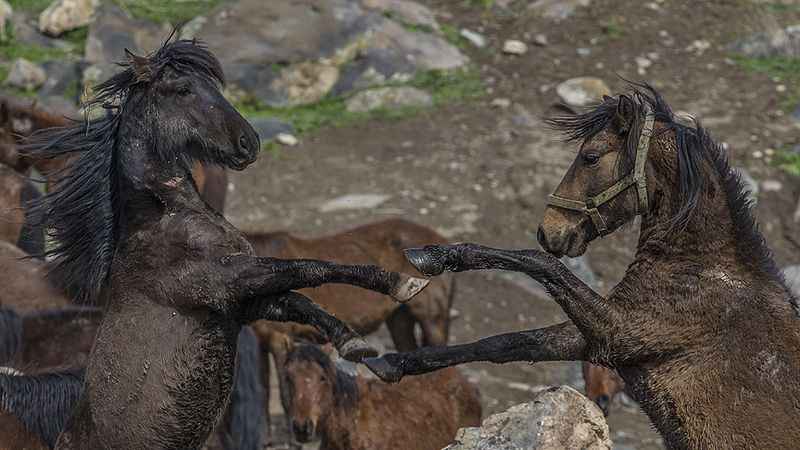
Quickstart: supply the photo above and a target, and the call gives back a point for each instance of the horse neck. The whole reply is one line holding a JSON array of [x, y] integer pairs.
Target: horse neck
[[340, 424], [149, 185]]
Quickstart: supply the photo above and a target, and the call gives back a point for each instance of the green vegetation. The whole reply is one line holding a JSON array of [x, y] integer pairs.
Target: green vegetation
[[613, 29], [782, 69], [453, 36], [781, 8], [31, 6], [789, 161], [485, 4], [169, 11], [444, 86]]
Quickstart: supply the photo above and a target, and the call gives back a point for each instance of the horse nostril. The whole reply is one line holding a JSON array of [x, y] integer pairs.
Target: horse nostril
[[604, 402], [243, 142], [540, 237]]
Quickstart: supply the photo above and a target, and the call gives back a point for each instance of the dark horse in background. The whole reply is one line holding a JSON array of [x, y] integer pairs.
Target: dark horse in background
[[178, 280], [702, 328]]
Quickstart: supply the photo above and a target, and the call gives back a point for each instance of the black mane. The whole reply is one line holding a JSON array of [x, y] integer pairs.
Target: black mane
[[82, 212], [43, 403], [695, 146]]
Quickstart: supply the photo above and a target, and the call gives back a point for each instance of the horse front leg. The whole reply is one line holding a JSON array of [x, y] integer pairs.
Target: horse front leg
[[263, 276], [295, 307], [596, 318], [562, 342]]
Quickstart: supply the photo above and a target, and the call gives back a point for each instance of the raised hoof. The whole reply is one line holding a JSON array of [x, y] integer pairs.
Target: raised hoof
[[425, 261], [383, 369], [408, 287], [356, 349]]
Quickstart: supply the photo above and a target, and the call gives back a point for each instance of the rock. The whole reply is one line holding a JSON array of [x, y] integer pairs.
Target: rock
[[285, 52], [389, 98], [287, 139], [474, 38], [113, 31], [66, 15], [792, 276], [268, 128], [556, 418], [797, 212], [25, 75], [64, 79], [557, 10], [353, 201], [5, 18], [407, 12], [192, 27], [514, 47], [582, 91], [540, 40], [642, 64], [501, 103], [750, 184], [782, 42], [771, 185], [583, 51]]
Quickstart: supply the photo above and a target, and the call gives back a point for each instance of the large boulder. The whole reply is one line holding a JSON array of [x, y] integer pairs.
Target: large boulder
[[25, 75], [66, 15], [285, 53], [557, 418]]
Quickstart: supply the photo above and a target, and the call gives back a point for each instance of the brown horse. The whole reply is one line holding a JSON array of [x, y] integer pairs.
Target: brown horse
[[702, 328], [14, 435], [133, 233], [355, 413], [602, 385], [25, 288]]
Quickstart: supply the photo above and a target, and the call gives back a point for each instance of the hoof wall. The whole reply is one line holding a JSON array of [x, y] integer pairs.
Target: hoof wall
[[384, 369]]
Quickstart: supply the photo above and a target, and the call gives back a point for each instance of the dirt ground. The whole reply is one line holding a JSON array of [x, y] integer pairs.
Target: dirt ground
[[482, 174]]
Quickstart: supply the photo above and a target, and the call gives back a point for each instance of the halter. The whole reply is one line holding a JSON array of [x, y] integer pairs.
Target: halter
[[637, 178]]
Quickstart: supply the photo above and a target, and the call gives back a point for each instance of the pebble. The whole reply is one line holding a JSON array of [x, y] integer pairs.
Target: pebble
[[514, 47], [780, 88], [583, 51], [287, 139], [771, 186], [758, 154], [476, 39], [540, 40], [501, 103]]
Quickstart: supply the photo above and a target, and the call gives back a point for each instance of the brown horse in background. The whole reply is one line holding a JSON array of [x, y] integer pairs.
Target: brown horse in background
[[355, 413]]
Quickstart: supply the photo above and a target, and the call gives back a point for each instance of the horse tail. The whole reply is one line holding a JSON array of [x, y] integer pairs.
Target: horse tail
[[246, 421], [10, 334]]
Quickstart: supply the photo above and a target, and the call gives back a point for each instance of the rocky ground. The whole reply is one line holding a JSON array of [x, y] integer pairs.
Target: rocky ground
[[468, 153]]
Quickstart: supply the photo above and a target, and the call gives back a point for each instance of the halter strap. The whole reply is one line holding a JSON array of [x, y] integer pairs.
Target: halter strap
[[636, 178]]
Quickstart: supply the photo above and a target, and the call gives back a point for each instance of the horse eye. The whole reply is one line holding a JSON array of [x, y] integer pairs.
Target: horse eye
[[590, 159]]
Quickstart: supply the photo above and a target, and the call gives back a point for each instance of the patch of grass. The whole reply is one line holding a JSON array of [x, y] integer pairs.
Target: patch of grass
[[14, 49], [167, 11], [789, 161], [444, 86], [613, 29], [778, 8], [453, 35], [485, 4], [77, 38], [785, 70], [31, 6]]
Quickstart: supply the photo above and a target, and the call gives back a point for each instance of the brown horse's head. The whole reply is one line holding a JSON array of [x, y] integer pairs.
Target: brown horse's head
[[602, 385], [605, 187], [316, 389]]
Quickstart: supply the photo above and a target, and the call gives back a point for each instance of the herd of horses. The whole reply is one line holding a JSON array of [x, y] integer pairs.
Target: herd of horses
[[153, 322]]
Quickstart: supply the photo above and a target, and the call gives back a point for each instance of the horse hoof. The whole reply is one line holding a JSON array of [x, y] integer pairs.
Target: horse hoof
[[356, 349], [408, 287], [384, 369], [425, 261]]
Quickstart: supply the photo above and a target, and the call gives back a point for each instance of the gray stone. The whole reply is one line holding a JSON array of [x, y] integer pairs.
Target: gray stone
[[66, 15], [582, 91], [474, 38], [113, 30], [797, 212], [557, 418], [353, 201], [792, 276], [64, 78], [5, 18], [557, 10], [268, 128], [514, 47], [750, 184], [287, 139], [405, 11], [25, 75], [25, 32], [783, 42], [389, 98], [284, 52]]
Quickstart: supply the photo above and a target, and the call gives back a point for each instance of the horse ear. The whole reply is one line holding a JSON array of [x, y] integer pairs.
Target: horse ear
[[623, 117], [140, 66]]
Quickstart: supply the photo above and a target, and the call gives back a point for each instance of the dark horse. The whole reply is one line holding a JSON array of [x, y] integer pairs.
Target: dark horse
[[702, 328], [178, 280]]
